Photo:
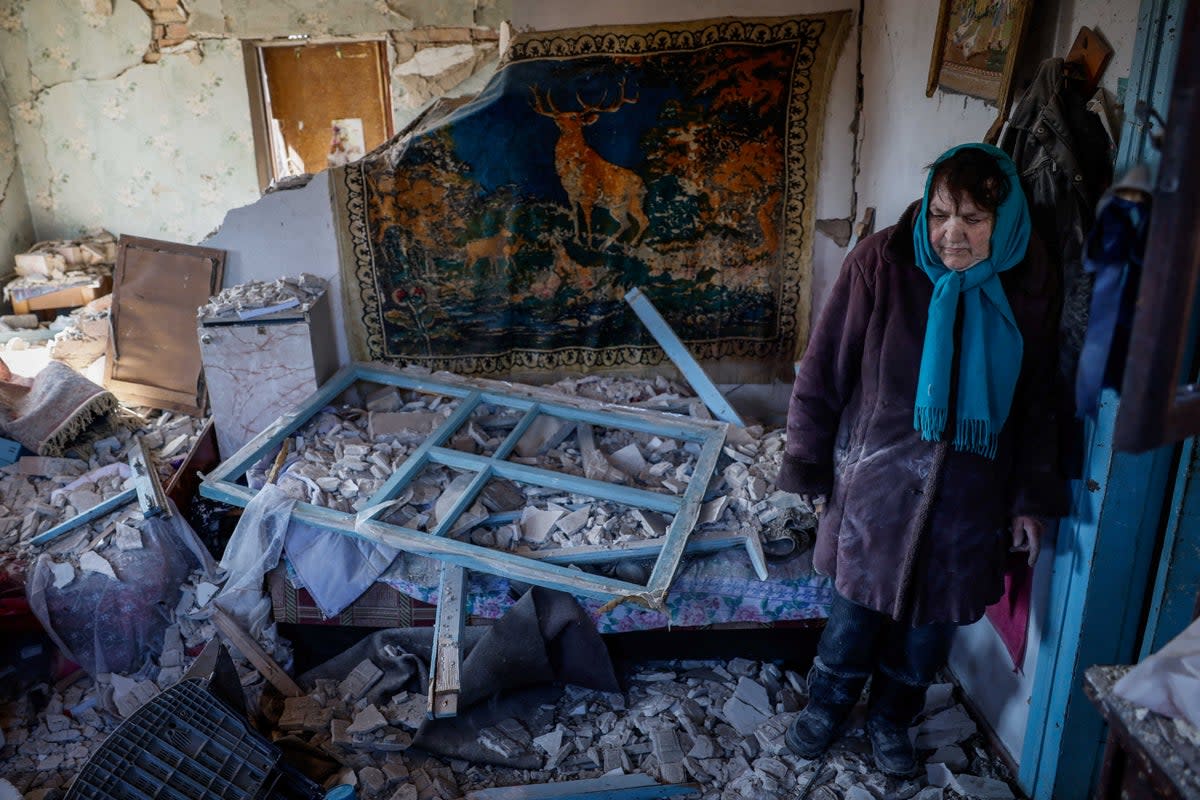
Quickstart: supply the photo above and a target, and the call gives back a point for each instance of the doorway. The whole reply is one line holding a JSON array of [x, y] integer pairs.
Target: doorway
[[317, 105]]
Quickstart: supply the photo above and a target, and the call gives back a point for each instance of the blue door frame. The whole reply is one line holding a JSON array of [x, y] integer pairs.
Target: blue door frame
[[1105, 560]]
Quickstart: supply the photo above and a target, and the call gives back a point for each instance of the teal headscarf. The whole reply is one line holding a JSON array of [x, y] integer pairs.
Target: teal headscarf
[[990, 360]]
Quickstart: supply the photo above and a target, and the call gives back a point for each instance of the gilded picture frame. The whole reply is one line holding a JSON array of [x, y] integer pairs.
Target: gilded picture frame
[[975, 47]]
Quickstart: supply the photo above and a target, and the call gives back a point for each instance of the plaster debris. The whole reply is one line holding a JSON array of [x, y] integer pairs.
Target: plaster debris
[[369, 720], [950, 755], [946, 727], [258, 298], [63, 574], [979, 788], [360, 679], [92, 561]]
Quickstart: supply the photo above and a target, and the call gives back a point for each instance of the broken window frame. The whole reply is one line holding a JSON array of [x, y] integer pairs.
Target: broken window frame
[[221, 484]]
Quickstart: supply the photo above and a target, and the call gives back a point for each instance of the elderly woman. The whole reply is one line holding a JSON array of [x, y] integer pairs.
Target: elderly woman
[[921, 409]]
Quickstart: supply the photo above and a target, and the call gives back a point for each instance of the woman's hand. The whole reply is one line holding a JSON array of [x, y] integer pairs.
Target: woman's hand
[[815, 502], [1027, 536]]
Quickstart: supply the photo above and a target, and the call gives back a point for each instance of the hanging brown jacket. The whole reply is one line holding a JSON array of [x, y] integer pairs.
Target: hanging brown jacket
[[916, 529]]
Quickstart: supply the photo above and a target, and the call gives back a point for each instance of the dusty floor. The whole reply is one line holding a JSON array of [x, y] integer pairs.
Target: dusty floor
[[717, 724]]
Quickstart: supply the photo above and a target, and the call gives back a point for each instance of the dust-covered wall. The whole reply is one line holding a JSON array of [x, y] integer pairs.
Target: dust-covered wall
[[128, 119], [16, 226]]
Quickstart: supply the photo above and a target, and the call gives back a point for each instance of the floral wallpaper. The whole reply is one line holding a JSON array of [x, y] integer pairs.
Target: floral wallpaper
[[16, 225], [163, 149]]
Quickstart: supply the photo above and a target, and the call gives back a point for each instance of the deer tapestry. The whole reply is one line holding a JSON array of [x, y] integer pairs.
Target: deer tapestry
[[500, 238]]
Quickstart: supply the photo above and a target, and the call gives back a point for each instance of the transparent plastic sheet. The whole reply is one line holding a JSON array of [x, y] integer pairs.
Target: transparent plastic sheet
[[107, 625], [254, 550], [1168, 681]]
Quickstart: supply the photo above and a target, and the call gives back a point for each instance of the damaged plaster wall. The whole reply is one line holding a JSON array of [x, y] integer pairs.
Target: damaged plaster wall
[[16, 223], [106, 140], [432, 47], [286, 232], [112, 132]]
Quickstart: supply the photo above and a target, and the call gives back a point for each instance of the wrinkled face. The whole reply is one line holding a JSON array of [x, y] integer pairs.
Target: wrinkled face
[[960, 232]]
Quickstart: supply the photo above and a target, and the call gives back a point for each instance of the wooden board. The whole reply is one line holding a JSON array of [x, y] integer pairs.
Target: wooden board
[[153, 353]]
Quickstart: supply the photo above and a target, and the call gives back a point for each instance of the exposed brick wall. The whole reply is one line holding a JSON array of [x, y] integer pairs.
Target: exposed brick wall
[[169, 19]]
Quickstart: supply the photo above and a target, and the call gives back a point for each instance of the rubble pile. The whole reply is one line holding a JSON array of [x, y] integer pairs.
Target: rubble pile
[[38, 493], [85, 337], [44, 748], [52, 265], [344, 455], [719, 724], [254, 298]]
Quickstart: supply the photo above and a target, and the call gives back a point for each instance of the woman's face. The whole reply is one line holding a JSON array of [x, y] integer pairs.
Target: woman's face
[[960, 232]]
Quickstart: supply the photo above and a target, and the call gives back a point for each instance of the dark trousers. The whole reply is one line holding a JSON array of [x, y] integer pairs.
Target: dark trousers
[[859, 643]]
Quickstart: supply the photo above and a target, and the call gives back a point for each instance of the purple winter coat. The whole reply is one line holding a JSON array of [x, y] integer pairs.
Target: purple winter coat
[[916, 529]]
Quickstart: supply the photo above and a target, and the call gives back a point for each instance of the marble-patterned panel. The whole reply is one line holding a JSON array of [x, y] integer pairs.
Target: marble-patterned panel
[[254, 374]]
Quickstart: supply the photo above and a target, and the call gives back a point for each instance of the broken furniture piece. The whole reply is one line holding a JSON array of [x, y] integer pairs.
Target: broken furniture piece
[[55, 275], [152, 359], [528, 406], [677, 351], [1147, 754], [445, 659], [254, 653], [265, 348], [187, 744], [151, 498]]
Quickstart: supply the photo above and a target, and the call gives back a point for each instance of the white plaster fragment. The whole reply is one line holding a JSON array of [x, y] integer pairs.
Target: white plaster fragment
[[91, 561]]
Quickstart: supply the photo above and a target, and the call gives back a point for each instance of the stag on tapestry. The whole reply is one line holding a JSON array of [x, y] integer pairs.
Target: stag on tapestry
[[679, 159]]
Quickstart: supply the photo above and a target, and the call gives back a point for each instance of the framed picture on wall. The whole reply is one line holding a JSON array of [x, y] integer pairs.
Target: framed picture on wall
[[975, 47]]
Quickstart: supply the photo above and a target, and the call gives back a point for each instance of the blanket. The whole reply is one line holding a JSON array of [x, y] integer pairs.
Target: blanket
[[679, 158]]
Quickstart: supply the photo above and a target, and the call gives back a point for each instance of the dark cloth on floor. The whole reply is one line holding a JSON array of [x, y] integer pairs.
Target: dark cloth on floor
[[914, 529], [545, 639]]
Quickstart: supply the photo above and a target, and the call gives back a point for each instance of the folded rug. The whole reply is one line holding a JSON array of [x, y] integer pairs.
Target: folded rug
[[48, 411]]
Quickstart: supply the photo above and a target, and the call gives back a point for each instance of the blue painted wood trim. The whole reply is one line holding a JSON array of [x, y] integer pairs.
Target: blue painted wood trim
[[95, 512], [220, 484], [1178, 574], [419, 458], [628, 495], [677, 351], [1107, 540]]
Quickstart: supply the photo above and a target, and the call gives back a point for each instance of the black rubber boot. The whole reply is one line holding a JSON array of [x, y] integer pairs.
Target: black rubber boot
[[893, 707], [831, 697]]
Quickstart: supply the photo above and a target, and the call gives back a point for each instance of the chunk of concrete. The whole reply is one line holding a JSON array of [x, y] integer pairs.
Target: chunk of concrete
[[543, 435], [536, 523], [91, 561], [978, 788], [947, 727]]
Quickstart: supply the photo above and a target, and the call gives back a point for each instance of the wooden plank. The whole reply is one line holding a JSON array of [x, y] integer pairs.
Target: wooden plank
[[697, 544], [685, 518], [246, 645], [151, 498], [96, 511], [444, 680], [628, 495], [634, 786], [682, 358]]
